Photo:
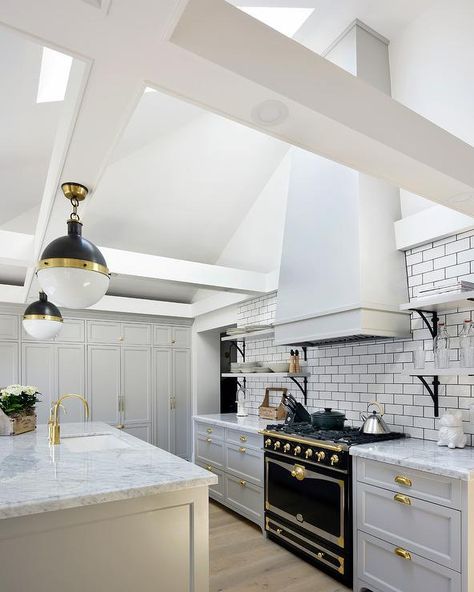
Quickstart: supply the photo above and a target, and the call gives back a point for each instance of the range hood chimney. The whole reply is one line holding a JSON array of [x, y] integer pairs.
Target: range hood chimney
[[341, 277]]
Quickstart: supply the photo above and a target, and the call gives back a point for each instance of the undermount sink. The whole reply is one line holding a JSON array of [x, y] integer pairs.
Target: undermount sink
[[92, 442]]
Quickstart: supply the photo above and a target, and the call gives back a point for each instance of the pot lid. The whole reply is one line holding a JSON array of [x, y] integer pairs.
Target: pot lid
[[328, 412]]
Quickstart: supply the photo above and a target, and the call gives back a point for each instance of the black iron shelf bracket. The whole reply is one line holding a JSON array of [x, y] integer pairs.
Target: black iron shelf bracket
[[433, 392], [241, 350], [242, 385], [303, 387], [432, 325]]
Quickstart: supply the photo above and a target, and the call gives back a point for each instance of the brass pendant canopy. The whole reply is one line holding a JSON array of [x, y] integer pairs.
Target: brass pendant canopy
[[74, 190]]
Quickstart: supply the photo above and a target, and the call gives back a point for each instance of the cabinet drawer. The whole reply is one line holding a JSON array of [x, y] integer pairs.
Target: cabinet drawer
[[432, 488], [104, 332], [427, 529], [209, 451], [382, 568], [243, 438], [217, 491], [208, 429], [245, 463], [246, 498]]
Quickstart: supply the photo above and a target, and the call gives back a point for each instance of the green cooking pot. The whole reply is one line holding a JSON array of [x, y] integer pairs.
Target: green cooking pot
[[327, 419]]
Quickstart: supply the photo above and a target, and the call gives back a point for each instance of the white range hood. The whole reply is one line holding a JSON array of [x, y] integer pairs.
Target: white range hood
[[341, 277]]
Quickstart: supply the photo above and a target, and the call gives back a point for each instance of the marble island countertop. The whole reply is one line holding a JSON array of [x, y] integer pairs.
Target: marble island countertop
[[36, 477], [423, 455], [250, 423]]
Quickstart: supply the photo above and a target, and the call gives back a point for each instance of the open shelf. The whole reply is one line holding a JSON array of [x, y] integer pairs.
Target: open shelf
[[250, 335], [441, 302], [431, 371], [264, 375]]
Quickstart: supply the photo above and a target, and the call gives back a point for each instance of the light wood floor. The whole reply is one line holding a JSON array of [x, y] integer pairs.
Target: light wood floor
[[242, 560]]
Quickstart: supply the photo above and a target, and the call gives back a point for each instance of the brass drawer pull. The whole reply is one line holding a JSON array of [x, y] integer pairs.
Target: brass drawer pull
[[403, 553], [209, 468], [402, 499], [401, 480], [243, 483], [242, 449], [243, 438], [208, 439], [209, 430]]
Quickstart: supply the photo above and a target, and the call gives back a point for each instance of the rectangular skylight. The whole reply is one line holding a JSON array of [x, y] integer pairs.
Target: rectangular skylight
[[54, 76], [282, 19]]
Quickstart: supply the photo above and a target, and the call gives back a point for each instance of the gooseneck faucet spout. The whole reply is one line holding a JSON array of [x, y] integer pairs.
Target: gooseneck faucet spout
[[53, 423]]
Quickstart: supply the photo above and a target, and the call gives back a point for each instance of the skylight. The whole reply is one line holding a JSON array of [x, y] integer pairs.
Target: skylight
[[284, 20], [54, 76]]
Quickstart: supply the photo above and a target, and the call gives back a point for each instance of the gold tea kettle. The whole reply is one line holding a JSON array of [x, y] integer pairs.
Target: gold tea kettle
[[373, 422]]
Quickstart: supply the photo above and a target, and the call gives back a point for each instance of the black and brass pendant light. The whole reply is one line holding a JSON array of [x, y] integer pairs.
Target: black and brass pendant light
[[72, 270], [42, 319]]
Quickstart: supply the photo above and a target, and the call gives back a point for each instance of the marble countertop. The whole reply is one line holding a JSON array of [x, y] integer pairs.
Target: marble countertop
[[251, 423], [36, 477], [423, 455]]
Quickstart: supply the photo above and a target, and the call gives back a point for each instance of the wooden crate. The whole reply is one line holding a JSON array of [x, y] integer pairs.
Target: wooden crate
[[267, 412], [12, 426]]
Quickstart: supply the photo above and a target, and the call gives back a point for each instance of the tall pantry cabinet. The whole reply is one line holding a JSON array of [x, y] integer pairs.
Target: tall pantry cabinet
[[135, 376]]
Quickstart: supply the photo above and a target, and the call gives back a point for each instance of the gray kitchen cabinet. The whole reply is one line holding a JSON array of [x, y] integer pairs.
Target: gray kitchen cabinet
[[104, 332], [119, 386], [171, 336], [9, 367], [55, 369], [9, 326], [173, 399], [136, 333], [408, 529], [236, 457]]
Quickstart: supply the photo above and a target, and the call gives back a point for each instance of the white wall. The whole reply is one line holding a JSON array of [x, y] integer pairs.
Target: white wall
[[432, 73]]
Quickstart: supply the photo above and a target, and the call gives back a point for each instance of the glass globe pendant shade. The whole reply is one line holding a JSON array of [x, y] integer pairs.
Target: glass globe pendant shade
[[72, 270], [42, 319]]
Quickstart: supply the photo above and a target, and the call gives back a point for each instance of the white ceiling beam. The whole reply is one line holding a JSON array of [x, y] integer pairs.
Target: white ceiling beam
[[332, 113], [143, 306], [201, 275]]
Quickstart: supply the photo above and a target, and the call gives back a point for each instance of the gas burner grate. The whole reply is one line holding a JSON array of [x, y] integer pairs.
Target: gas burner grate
[[349, 436]]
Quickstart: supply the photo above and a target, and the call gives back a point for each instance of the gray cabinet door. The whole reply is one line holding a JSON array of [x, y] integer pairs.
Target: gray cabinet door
[[136, 386], [37, 369], [103, 382], [9, 369], [180, 424], [69, 376], [162, 362], [104, 332], [136, 333], [162, 335], [9, 326], [181, 337]]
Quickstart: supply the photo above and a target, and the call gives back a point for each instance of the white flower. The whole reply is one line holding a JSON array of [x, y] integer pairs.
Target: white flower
[[30, 390]]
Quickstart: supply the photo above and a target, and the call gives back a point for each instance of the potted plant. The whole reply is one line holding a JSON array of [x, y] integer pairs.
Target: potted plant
[[17, 409]]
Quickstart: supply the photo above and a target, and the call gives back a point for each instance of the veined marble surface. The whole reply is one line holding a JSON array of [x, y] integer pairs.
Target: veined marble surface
[[251, 423], [423, 455], [36, 477]]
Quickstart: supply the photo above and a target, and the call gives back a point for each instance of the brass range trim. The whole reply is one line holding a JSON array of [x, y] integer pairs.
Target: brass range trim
[[280, 532], [75, 263], [308, 441]]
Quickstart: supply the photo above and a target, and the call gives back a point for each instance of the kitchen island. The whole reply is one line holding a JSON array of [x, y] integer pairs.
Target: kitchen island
[[100, 511]]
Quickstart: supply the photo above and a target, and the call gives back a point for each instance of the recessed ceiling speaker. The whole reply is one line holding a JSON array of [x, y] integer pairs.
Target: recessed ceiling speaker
[[270, 112]]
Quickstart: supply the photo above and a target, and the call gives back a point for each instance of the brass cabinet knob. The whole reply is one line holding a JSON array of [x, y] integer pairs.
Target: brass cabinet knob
[[209, 440], [277, 445], [243, 438], [242, 449], [297, 450], [268, 442], [209, 430], [308, 453], [402, 480], [321, 455], [403, 553], [286, 448], [243, 483], [209, 468], [402, 499], [334, 459]]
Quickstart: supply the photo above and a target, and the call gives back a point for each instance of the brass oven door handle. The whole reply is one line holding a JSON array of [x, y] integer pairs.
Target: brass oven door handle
[[402, 499], [298, 472], [403, 553]]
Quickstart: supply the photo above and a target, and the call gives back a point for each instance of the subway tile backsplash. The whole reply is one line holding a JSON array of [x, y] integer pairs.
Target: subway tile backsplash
[[347, 377]]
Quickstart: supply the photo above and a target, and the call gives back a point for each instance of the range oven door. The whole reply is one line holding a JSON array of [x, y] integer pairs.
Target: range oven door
[[311, 498]]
